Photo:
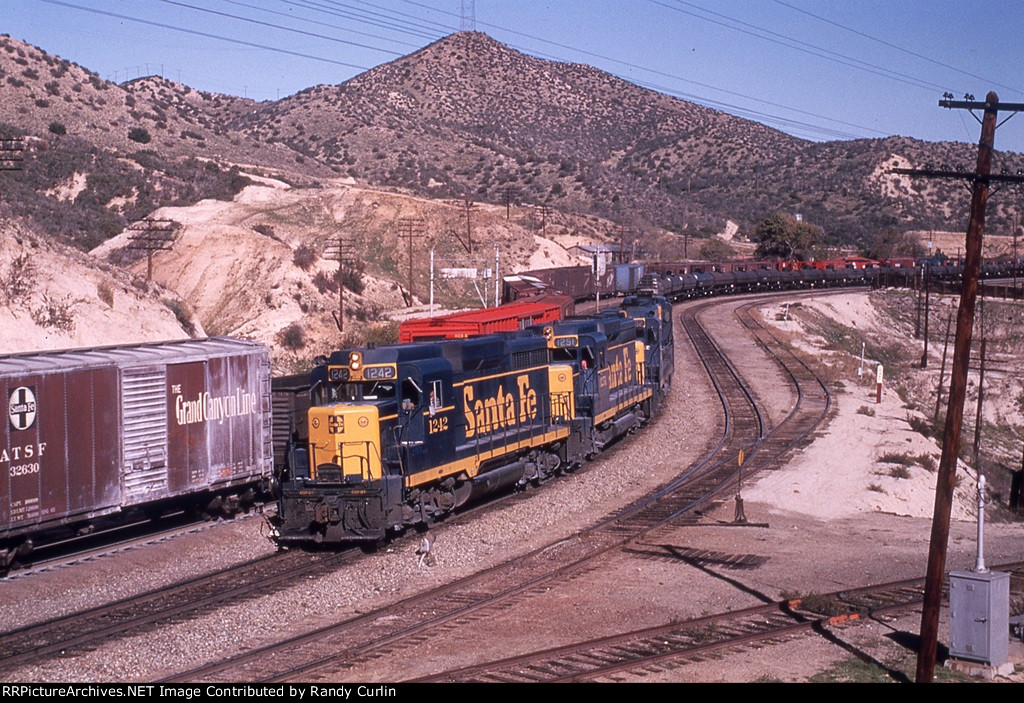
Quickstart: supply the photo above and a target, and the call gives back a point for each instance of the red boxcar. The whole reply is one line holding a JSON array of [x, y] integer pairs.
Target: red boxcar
[[518, 315], [95, 431]]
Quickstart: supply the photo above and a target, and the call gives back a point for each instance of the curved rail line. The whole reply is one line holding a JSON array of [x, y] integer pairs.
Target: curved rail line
[[642, 651], [337, 647]]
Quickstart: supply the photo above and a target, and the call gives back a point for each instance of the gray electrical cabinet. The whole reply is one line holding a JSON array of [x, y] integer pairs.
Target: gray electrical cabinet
[[979, 616]]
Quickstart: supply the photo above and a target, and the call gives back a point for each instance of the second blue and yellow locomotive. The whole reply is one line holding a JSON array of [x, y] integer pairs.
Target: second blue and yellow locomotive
[[402, 435]]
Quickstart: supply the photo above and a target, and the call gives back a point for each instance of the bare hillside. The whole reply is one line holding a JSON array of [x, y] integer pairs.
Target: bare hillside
[[467, 116], [259, 265], [57, 297]]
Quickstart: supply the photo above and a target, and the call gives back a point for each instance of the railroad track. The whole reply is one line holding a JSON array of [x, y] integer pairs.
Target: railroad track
[[649, 650], [332, 650], [135, 614]]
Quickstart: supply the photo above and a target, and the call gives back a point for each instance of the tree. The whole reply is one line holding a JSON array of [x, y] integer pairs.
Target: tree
[[781, 236], [715, 249], [891, 243]]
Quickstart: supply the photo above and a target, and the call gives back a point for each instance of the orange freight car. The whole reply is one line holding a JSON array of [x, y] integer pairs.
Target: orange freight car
[[536, 310]]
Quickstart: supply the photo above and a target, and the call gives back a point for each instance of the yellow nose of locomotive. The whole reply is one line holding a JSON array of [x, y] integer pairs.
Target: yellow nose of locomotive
[[345, 437]]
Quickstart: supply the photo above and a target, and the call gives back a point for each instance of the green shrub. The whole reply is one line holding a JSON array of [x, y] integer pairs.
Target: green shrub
[[58, 313], [380, 335], [139, 134], [352, 278], [292, 337], [58, 128], [181, 313], [20, 280], [304, 257], [105, 292], [901, 458]]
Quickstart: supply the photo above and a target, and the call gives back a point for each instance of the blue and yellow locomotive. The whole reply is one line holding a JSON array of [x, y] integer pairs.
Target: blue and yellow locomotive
[[402, 435]]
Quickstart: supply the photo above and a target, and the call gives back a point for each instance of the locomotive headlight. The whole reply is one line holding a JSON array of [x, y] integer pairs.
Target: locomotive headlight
[[355, 360]]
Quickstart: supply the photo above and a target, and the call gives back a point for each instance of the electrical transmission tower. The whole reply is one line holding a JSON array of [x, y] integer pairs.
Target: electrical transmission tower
[[150, 236], [979, 181], [468, 22]]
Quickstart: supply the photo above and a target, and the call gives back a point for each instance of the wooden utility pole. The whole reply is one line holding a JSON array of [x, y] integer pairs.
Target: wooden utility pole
[[980, 179], [917, 290], [1015, 262], [411, 228], [150, 236], [927, 314], [942, 371], [340, 250]]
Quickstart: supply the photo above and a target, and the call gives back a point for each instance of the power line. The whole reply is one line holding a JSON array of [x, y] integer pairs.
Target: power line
[[280, 27], [367, 17], [322, 24], [894, 46], [362, 16], [208, 35], [802, 46]]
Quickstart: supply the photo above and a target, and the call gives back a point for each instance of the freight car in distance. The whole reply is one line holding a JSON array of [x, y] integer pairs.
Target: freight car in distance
[[94, 432]]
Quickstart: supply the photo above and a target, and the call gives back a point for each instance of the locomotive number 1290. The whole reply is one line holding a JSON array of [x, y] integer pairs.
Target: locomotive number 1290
[[437, 424]]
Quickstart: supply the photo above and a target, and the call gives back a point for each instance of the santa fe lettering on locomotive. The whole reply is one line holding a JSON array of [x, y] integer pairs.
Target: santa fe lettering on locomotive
[[503, 409]]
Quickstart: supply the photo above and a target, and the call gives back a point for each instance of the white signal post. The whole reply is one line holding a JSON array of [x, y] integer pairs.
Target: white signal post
[[878, 396]]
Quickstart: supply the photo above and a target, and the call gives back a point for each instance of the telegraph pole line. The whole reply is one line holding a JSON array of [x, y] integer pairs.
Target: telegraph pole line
[[980, 180], [411, 228], [151, 236], [509, 192], [942, 371], [340, 250], [927, 313], [1016, 264], [622, 242], [467, 241], [12, 153]]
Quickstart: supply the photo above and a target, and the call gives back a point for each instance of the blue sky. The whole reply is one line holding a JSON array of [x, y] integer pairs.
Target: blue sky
[[816, 69]]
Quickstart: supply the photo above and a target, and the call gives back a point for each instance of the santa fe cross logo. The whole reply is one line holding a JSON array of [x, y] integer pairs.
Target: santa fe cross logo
[[21, 408]]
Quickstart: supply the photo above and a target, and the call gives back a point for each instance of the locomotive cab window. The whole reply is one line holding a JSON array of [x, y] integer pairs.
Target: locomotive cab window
[[410, 394], [587, 356], [436, 397], [378, 390]]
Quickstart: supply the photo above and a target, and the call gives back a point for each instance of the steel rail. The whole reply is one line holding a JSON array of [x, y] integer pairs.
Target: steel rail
[[492, 590]]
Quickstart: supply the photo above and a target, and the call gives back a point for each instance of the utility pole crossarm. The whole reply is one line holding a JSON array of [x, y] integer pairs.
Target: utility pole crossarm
[[966, 175], [979, 105], [151, 236], [12, 151]]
